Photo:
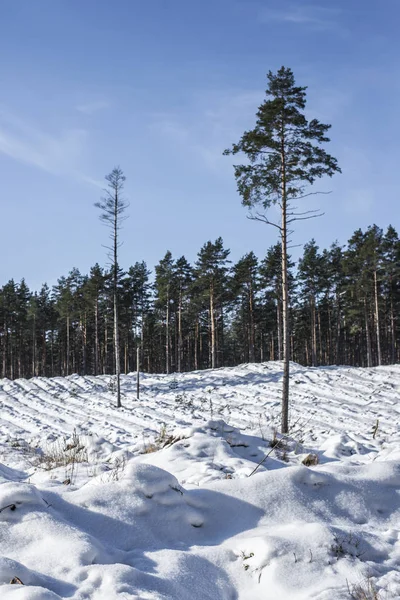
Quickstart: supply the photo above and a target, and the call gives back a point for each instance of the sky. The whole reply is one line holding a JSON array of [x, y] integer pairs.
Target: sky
[[161, 88]]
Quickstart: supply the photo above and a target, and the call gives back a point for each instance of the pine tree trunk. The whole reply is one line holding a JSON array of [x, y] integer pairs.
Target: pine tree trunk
[[279, 328], [116, 350], [11, 357], [96, 336], [167, 337], [285, 312], [180, 341], [105, 352], [52, 352], [67, 352], [328, 355], [115, 290], [313, 332], [220, 345], [252, 333], [393, 330], [196, 343], [84, 343], [338, 330], [5, 335], [378, 335], [320, 358], [34, 347], [212, 325], [44, 354], [368, 336]]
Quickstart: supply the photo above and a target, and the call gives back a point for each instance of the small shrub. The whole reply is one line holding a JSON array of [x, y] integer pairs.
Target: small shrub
[[162, 440], [184, 401], [173, 384], [276, 442], [310, 460], [348, 545], [366, 590], [66, 452]]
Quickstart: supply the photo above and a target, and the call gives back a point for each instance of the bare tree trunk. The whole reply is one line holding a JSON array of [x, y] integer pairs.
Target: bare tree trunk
[[105, 353], [378, 335], [84, 344], [393, 330], [67, 354], [196, 343], [52, 352], [44, 354], [116, 351], [368, 336], [11, 357], [320, 358], [328, 354], [180, 341], [279, 327], [34, 373], [5, 337], [115, 294], [252, 332], [212, 325], [96, 337], [285, 295], [337, 346], [313, 332], [167, 337], [285, 315]]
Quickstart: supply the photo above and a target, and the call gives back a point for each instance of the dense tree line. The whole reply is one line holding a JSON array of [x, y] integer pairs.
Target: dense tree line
[[345, 305]]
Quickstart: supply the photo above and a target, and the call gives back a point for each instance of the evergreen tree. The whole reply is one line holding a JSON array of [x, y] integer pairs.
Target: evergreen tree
[[245, 285], [285, 154], [183, 277], [112, 207], [164, 294], [211, 271], [310, 273], [391, 282]]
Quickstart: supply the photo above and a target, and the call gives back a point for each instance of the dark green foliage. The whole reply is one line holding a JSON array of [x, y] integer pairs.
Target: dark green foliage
[[281, 128], [285, 155], [71, 326]]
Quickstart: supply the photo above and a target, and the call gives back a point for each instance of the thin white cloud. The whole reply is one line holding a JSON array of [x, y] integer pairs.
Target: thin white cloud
[[215, 121], [90, 108], [320, 18], [57, 153]]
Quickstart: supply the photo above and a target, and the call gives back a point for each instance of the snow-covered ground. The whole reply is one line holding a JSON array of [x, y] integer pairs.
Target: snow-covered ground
[[157, 500]]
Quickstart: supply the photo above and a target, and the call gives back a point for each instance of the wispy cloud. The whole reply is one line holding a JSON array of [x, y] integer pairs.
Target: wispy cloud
[[320, 18], [89, 108], [215, 121], [57, 153]]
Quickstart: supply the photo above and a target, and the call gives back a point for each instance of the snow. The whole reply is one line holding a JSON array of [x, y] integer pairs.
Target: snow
[[157, 500]]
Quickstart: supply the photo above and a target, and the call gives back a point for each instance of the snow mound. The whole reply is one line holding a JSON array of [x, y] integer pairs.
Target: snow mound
[[190, 493]]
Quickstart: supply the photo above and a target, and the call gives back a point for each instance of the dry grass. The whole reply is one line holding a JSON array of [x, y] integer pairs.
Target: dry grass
[[310, 460], [365, 590], [162, 440]]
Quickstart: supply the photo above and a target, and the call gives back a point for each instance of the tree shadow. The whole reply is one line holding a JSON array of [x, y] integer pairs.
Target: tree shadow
[[207, 519]]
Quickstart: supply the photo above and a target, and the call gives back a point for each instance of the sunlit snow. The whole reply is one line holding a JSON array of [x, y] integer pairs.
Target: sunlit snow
[[155, 501]]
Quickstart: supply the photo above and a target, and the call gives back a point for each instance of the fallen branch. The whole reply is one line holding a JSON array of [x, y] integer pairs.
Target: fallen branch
[[10, 506]]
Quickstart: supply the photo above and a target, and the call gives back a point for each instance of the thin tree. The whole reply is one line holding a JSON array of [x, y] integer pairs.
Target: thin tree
[[282, 160], [113, 206]]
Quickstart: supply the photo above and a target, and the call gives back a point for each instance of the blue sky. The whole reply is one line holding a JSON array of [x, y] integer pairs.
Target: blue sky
[[160, 88]]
